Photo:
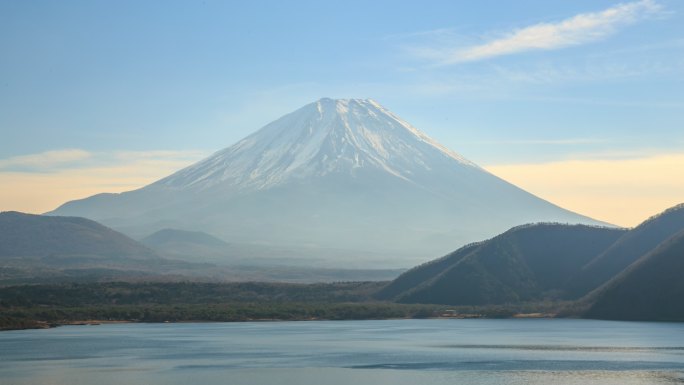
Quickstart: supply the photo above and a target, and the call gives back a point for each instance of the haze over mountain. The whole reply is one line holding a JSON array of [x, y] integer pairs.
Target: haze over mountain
[[39, 249], [198, 246], [345, 175], [189, 245]]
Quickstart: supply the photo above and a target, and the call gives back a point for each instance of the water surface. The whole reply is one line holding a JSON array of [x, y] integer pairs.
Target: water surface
[[445, 351]]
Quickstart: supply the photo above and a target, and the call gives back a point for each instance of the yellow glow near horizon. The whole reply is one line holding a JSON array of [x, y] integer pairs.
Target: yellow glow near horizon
[[620, 191], [39, 192]]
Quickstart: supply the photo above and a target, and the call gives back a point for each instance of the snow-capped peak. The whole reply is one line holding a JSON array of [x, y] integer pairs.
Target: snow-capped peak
[[324, 137]]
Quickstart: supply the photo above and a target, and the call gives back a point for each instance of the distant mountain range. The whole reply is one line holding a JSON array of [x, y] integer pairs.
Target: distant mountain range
[[55, 238], [612, 273], [36, 248], [338, 179], [39, 248], [620, 274]]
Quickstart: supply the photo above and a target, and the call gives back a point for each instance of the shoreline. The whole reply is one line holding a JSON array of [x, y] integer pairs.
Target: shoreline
[[37, 325]]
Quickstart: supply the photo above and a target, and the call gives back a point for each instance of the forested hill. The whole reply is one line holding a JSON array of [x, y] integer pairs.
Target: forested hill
[[526, 263]]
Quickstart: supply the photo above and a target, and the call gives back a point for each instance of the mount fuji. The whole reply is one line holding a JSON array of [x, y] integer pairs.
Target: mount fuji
[[345, 181]]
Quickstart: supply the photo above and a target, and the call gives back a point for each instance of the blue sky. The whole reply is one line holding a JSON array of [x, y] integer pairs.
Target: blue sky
[[145, 87]]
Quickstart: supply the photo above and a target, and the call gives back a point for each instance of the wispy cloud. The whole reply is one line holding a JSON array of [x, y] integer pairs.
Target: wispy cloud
[[40, 182], [579, 29], [65, 159], [45, 160]]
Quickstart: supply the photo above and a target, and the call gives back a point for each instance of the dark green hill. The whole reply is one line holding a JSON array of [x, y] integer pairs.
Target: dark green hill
[[530, 262], [27, 235], [424, 272], [629, 248], [650, 289], [36, 248]]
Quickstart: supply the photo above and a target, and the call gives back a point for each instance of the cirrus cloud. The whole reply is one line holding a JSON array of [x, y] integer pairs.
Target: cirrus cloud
[[579, 29]]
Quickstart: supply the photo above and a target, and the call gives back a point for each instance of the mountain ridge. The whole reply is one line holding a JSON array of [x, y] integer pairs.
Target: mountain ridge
[[528, 262], [650, 289], [629, 248], [30, 235]]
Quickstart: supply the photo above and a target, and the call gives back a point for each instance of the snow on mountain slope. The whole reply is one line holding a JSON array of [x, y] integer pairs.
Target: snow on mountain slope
[[321, 138], [332, 175]]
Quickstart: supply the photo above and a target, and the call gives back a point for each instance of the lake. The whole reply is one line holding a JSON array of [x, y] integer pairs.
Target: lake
[[425, 352]]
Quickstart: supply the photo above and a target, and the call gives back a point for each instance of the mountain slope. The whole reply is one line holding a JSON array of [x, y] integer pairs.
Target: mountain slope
[[651, 289], [168, 236], [629, 248], [525, 263], [335, 174], [26, 235], [424, 273], [322, 138], [36, 248], [193, 246]]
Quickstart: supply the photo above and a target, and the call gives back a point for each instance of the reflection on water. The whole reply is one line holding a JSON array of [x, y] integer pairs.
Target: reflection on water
[[526, 351]]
